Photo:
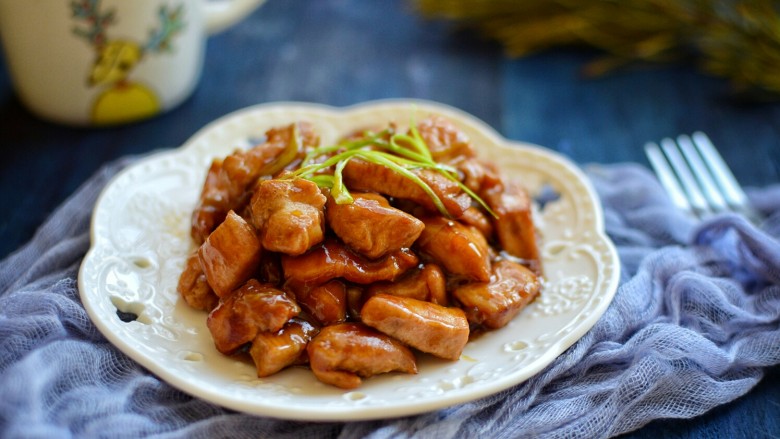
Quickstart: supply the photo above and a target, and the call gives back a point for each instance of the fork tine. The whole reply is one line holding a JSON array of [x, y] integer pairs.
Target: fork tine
[[732, 191], [695, 196], [666, 177], [697, 178], [702, 173]]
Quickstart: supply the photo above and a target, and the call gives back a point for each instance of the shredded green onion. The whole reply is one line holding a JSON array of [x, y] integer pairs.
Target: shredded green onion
[[402, 153], [288, 154], [338, 190], [382, 160]]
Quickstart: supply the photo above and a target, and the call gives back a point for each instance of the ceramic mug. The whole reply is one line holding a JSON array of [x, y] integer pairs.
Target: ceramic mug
[[107, 62]]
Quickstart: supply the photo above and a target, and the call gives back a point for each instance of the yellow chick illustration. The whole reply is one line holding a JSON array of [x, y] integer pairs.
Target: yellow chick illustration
[[122, 99], [125, 100]]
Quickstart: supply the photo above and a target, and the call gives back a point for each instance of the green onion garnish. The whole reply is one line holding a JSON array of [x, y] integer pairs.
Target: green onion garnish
[[402, 153]]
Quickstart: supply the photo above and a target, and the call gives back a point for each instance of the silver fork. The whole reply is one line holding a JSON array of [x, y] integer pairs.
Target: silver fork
[[697, 178]]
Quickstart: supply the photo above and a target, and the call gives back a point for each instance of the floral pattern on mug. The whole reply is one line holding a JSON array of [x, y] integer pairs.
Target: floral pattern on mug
[[121, 98]]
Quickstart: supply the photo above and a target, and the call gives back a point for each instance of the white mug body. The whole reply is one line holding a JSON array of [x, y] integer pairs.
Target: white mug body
[[102, 62]]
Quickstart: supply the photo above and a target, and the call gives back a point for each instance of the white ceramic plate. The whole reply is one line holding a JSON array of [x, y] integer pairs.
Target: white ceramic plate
[[140, 239]]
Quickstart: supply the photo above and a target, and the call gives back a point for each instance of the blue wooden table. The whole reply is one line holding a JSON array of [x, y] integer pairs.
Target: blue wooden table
[[341, 52]]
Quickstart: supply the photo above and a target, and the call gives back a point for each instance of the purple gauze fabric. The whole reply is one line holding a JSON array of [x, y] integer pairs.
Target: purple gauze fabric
[[693, 325]]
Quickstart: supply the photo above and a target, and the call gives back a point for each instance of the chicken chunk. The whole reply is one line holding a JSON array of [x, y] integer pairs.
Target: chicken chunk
[[427, 283], [288, 215], [372, 227], [514, 224], [242, 168], [212, 205], [460, 249], [361, 175], [227, 182], [230, 254], [332, 259], [474, 217], [343, 354], [274, 351], [444, 139], [476, 173], [493, 304], [514, 227], [425, 326], [247, 311], [327, 303], [193, 286]]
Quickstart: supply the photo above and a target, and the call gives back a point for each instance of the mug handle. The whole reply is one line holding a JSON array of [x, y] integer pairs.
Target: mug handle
[[222, 14]]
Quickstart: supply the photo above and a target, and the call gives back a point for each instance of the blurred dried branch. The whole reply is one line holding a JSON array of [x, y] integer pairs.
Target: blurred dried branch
[[738, 40]]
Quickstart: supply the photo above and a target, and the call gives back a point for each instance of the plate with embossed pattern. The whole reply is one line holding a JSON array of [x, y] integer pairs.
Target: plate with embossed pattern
[[140, 240]]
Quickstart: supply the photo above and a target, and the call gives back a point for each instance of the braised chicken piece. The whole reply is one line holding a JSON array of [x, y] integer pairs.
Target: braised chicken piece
[[426, 283], [510, 202], [193, 286], [476, 218], [273, 351], [327, 303], [444, 140], [247, 311], [425, 326], [288, 215], [332, 259], [226, 186], [370, 226], [364, 176], [212, 204], [461, 250], [514, 226], [475, 173], [493, 304], [343, 354], [242, 168], [230, 254]]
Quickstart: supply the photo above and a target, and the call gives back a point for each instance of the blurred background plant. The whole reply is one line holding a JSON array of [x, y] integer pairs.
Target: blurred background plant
[[738, 40]]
